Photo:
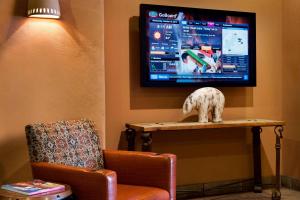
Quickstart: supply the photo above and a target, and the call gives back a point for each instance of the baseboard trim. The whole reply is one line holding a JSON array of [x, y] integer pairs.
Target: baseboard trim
[[290, 183], [222, 187], [232, 186]]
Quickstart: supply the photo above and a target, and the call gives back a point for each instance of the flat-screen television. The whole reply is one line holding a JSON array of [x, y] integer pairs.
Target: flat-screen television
[[197, 47]]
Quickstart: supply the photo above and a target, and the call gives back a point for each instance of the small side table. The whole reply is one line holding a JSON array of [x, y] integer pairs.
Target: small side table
[[60, 195]]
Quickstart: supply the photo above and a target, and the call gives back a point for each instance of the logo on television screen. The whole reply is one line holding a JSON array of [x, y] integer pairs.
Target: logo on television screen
[[167, 15], [153, 14]]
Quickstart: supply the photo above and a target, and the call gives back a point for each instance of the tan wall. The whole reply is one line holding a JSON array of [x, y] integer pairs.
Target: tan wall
[[49, 70], [291, 87], [209, 156], [52, 70]]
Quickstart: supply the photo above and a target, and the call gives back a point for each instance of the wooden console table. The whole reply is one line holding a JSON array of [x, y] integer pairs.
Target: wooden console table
[[146, 130]]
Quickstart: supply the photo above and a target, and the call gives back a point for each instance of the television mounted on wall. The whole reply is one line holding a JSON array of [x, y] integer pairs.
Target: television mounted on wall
[[197, 47]]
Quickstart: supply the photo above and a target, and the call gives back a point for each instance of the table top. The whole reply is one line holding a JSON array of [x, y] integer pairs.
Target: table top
[[171, 126], [54, 195]]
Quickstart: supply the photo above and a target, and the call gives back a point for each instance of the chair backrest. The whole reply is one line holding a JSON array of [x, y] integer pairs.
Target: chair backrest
[[72, 142]]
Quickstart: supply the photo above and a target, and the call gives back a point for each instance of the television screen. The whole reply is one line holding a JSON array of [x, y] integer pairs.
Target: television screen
[[200, 47]]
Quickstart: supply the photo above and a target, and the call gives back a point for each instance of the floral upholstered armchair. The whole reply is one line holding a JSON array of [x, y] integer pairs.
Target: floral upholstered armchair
[[69, 152]]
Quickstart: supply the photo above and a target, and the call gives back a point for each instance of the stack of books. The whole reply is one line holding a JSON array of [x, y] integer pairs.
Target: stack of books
[[34, 187]]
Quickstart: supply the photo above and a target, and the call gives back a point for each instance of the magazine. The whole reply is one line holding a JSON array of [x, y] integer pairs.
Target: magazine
[[33, 187]]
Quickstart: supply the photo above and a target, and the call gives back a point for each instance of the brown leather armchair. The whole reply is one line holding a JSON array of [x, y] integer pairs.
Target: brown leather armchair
[[126, 176]]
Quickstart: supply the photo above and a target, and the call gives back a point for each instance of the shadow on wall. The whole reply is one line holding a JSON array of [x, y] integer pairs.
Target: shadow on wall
[[169, 98], [14, 163], [169, 141], [19, 11], [68, 22], [20, 8], [227, 153], [290, 151], [238, 141]]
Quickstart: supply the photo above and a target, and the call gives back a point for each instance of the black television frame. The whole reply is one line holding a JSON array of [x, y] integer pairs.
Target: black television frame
[[144, 69]]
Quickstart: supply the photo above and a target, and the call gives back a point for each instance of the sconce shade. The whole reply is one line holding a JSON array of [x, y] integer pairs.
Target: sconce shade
[[43, 9]]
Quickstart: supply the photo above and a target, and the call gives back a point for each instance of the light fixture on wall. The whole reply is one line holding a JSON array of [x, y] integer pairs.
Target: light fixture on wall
[[43, 9]]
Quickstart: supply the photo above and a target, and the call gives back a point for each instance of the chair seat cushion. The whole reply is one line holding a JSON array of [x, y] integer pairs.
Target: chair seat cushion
[[133, 192], [72, 143]]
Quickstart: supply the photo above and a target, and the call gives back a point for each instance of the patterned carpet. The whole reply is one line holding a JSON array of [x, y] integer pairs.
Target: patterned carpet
[[266, 195]]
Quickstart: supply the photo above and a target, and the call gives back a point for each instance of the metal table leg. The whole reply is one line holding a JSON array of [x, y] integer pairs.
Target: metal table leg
[[257, 159], [276, 194], [130, 136], [147, 141]]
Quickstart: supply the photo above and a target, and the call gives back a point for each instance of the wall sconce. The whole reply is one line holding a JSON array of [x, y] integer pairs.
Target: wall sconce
[[43, 9]]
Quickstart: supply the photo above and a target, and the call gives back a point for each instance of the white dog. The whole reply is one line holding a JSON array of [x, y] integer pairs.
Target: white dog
[[205, 100]]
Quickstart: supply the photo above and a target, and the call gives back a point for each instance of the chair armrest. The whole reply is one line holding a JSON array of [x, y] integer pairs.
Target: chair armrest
[[85, 184], [143, 168]]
